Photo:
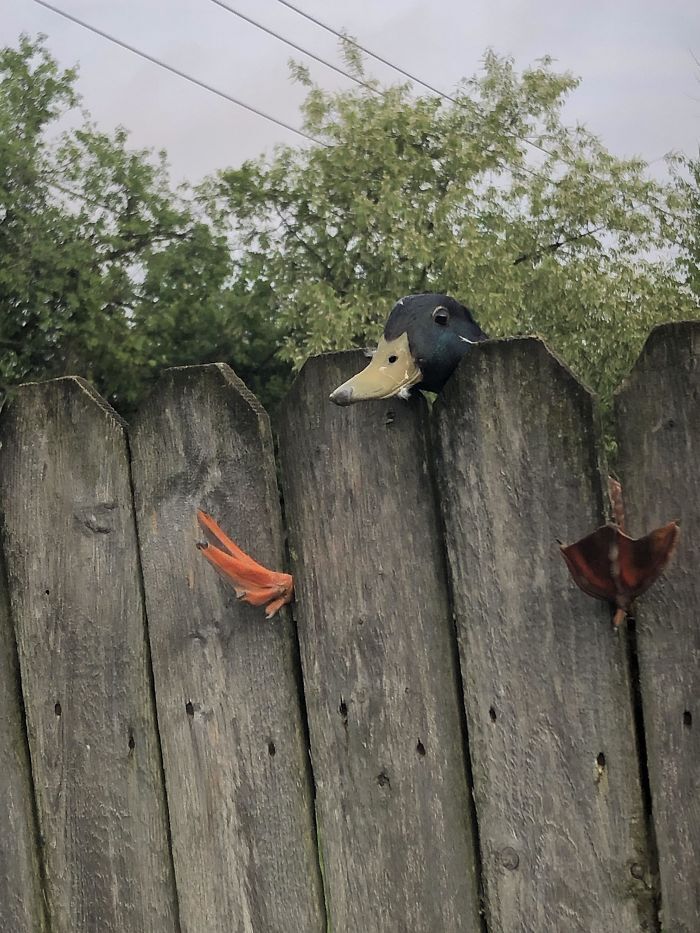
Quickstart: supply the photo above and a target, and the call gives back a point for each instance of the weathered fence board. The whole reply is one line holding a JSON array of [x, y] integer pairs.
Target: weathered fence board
[[21, 900], [234, 751], [562, 800], [658, 425], [378, 660], [73, 576], [546, 689]]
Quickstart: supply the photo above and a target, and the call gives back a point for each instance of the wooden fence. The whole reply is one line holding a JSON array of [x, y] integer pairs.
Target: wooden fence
[[447, 736]]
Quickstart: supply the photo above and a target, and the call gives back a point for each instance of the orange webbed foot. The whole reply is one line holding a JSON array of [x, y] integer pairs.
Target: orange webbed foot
[[252, 582]]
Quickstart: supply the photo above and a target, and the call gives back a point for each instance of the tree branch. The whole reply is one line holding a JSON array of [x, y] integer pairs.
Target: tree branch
[[310, 249], [553, 247]]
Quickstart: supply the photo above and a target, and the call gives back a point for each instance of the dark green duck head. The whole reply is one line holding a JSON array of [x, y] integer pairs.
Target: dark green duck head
[[424, 339]]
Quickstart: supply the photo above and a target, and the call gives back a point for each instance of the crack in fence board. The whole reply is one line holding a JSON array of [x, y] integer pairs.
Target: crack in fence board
[[72, 564], [378, 660], [545, 678], [236, 767], [21, 897], [658, 427]]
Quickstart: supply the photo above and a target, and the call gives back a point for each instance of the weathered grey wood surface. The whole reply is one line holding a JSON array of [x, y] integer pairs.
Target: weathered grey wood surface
[[378, 661], [21, 898], [547, 696], [73, 576], [658, 426], [234, 750]]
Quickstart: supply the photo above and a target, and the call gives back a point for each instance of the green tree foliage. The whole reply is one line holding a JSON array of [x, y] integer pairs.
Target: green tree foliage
[[488, 196], [105, 271], [685, 225]]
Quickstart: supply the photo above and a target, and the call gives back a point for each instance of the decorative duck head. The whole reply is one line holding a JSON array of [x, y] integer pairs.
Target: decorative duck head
[[424, 339]]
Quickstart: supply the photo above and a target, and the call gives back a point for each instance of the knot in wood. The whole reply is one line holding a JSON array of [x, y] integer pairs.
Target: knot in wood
[[509, 858]]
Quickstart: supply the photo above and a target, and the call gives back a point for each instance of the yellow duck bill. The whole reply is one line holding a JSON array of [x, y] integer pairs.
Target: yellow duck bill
[[391, 371]]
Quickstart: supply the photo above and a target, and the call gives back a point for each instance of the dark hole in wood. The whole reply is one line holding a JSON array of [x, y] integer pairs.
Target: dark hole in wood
[[132, 743], [687, 719], [601, 760], [189, 709], [492, 714], [57, 709], [383, 779], [671, 423], [47, 592], [343, 709], [271, 750], [420, 748]]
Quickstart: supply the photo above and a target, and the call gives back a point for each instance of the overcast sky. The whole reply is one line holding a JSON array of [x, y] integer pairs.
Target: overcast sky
[[640, 86]]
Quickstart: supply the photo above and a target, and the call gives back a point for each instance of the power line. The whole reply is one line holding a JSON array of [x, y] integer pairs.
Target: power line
[[407, 74], [181, 74], [341, 71], [222, 94], [384, 61], [298, 48]]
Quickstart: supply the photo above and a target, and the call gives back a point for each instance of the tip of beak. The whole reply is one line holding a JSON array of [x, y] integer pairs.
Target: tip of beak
[[342, 395]]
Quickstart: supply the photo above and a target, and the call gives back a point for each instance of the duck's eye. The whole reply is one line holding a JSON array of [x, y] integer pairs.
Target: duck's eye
[[441, 316], [393, 358]]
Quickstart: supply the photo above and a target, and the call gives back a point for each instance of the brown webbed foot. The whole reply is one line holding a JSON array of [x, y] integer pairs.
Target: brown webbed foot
[[610, 565]]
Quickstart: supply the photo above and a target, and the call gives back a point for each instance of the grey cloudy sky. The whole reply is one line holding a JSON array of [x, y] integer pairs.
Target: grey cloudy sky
[[640, 81]]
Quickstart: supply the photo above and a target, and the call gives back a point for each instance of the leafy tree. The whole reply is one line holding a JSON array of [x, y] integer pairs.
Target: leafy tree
[[488, 196], [104, 270], [685, 225]]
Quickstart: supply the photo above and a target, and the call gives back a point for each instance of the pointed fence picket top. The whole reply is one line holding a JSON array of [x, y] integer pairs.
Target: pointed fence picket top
[[72, 567], [234, 750], [551, 730], [21, 898], [378, 659], [658, 428]]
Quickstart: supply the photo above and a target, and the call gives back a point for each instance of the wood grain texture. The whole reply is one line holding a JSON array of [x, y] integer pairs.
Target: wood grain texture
[[546, 688], [73, 576], [378, 660], [234, 751], [658, 428], [21, 898]]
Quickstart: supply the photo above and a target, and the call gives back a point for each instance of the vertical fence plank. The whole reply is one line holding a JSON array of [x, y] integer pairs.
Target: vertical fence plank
[[73, 578], [378, 660], [658, 426], [234, 750], [21, 900], [546, 689]]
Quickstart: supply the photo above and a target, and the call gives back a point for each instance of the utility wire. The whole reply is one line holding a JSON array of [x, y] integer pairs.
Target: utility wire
[[181, 74], [222, 94], [341, 71], [407, 74], [298, 48], [349, 39]]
